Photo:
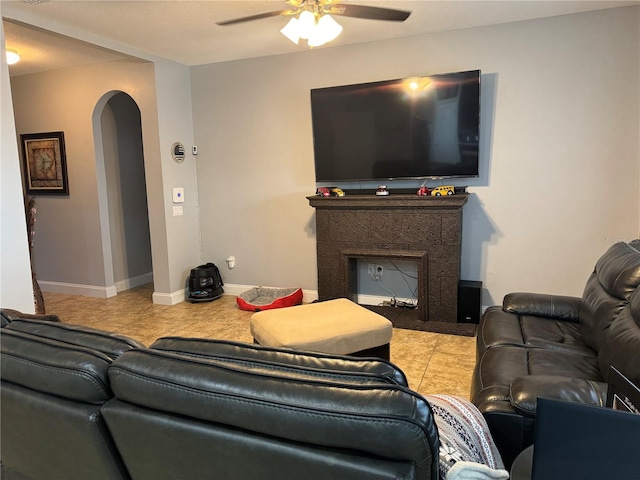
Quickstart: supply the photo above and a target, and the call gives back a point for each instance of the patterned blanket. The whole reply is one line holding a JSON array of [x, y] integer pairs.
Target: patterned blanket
[[467, 450]]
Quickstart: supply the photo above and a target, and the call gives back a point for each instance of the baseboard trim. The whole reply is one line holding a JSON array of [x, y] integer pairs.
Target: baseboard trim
[[133, 282], [78, 289], [169, 298], [158, 298]]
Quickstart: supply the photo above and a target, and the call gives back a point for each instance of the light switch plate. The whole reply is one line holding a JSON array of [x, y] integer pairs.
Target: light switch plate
[[178, 210], [177, 194]]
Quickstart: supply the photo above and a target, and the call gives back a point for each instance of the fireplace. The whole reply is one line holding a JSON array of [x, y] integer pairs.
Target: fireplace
[[427, 230]]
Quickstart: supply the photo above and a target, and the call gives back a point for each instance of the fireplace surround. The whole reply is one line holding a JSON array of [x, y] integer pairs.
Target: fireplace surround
[[424, 229]]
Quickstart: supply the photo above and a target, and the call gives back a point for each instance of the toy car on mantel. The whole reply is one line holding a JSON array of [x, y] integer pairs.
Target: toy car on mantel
[[323, 192], [443, 190]]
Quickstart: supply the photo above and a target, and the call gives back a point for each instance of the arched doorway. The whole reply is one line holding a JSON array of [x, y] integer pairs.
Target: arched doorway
[[122, 194]]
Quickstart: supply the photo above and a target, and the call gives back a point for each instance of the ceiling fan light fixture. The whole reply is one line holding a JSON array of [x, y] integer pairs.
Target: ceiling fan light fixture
[[329, 28], [314, 22], [315, 39], [12, 56], [306, 24], [317, 33], [292, 30]]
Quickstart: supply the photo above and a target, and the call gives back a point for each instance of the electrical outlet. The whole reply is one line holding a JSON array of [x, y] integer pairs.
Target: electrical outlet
[[373, 271], [379, 270]]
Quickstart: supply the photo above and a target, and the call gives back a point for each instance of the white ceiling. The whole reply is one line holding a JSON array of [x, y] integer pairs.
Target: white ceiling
[[185, 30]]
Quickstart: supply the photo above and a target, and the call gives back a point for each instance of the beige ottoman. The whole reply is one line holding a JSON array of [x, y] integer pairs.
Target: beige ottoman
[[336, 326]]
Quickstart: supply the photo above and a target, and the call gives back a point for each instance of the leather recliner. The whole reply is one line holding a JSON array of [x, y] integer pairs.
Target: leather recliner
[[537, 345]]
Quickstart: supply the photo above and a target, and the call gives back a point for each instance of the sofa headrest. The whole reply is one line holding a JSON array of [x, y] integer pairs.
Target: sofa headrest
[[396, 422], [621, 345], [618, 270], [377, 370], [615, 277], [110, 344], [53, 367], [8, 315]]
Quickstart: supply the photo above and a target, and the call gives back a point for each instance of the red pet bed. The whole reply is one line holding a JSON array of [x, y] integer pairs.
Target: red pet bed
[[264, 298]]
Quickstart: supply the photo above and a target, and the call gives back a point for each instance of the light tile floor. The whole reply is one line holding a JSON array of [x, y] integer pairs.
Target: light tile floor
[[432, 362]]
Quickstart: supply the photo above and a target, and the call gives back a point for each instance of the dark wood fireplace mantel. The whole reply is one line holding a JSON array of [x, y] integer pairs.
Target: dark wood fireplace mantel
[[389, 201], [427, 230]]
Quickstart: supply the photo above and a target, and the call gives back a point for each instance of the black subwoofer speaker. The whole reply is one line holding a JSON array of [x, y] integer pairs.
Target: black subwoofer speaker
[[469, 301]]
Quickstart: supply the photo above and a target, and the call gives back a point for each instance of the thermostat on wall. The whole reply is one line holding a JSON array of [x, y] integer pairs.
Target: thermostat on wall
[[177, 152], [177, 194]]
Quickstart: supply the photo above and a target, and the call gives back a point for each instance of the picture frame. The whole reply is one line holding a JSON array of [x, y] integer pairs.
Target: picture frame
[[45, 163]]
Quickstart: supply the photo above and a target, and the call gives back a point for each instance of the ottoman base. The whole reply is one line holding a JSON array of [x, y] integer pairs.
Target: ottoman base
[[383, 351]]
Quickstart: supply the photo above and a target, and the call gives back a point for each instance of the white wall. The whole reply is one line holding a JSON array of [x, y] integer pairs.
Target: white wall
[[561, 165], [16, 290]]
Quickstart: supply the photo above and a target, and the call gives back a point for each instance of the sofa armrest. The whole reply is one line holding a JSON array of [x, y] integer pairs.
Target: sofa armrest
[[557, 307], [524, 391]]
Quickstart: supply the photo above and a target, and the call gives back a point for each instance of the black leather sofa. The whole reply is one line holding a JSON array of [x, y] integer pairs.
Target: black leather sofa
[[560, 347], [80, 404]]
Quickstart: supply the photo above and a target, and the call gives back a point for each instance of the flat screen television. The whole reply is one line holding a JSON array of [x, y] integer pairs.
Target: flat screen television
[[420, 127]]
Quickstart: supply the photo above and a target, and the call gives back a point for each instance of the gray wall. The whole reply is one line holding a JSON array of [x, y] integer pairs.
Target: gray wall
[[560, 157], [71, 251], [559, 182]]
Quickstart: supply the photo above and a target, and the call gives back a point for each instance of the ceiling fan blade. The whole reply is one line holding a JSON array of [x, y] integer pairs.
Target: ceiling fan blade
[[370, 13], [250, 18]]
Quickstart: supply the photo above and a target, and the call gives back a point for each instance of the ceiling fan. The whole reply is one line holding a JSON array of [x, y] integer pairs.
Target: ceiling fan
[[315, 22]]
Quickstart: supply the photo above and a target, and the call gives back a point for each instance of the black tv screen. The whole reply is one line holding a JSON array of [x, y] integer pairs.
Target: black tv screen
[[419, 127]]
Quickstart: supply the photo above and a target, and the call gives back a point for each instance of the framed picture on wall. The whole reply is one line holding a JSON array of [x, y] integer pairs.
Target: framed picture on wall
[[45, 163]]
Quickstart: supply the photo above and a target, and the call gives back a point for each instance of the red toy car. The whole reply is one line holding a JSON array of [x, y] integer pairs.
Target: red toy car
[[323, 192], [423, 191]]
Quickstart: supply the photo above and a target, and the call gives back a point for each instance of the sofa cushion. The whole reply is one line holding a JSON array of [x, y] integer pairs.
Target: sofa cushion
[[395, 422], [499, 366], [53, 367], [374, 369], [621, 345], [615, 277], [60, 359], [532, 320]]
